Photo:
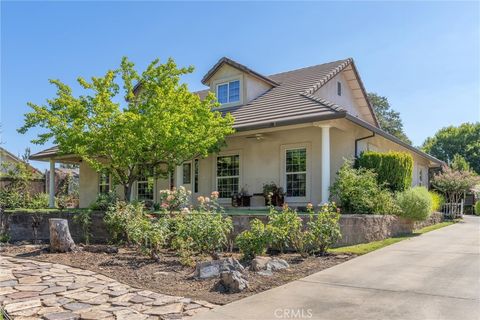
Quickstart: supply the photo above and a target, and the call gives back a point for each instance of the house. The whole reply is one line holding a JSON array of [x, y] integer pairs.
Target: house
[[293, 128], [8, 161]]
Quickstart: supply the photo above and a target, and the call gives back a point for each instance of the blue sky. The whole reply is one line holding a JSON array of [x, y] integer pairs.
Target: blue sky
[[425, 57]]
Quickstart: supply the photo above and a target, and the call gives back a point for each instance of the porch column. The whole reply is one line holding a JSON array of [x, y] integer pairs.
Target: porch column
[[179, 176], [51, 183], [325, 163]]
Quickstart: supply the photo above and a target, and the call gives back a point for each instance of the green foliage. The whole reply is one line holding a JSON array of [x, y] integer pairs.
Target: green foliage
[[388, 118], [11, 199], [459, 163], [357, 191], [415, 203], [84, 219], [255, 241], [453, 184], [39, 201], [284, 227], [202, 232], [4, 237], [437, 201], [323, 229], [394, 169], [104, 201], [117, 218], [174, 200], [477, 208], [16, 194], [463, 140], [150, 235], [161, 126]]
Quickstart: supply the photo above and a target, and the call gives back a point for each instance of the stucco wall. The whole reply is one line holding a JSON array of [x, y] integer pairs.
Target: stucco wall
[[88, 185]]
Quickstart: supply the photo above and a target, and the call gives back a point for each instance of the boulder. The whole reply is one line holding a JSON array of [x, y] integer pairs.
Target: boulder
[[260, 263], [211, 269], [268, 264], [233, 281]]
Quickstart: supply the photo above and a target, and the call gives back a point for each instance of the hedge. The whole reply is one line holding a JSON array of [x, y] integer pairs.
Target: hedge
[[394, 169]]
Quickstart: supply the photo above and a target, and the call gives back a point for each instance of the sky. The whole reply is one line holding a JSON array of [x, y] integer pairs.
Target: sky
[[423, 56]]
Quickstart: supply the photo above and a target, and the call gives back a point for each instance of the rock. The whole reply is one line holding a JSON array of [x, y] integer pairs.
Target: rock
[[211, 269], [268, 264], [61, 316], [260, 263], [266, 273], [170, 308], [277, 264], [233, 281], [17, 306], [100, 249]]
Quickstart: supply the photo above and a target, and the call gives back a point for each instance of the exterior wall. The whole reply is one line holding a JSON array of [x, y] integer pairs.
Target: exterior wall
[[88, 188]]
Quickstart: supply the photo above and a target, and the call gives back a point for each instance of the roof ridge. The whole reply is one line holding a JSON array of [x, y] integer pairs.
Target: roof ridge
[[308, 67], [329, 76]]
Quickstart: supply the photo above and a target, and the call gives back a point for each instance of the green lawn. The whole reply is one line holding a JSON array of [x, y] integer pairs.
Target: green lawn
[[364, 248]]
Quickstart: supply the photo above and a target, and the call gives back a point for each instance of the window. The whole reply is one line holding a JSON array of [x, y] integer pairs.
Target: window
[[195, 175], [228, 92], [296, 172], [145, 186], [339, 88], [187, 173], [228, 175], [103, 182]]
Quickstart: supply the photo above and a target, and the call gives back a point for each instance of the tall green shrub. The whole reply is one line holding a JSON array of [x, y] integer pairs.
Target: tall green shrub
[[415, 203], [393, 169]]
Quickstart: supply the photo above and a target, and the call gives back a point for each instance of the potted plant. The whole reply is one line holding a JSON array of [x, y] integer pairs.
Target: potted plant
[[241, 199], [273, 194]]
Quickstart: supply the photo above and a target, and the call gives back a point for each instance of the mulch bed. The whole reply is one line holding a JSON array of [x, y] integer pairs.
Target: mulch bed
[[169, 276]]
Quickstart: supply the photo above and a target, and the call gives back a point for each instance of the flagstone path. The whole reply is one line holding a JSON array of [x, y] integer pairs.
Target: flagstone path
[[41, 290]]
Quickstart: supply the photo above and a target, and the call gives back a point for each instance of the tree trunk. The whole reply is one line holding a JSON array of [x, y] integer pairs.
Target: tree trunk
[[60, 238], [127, 191]]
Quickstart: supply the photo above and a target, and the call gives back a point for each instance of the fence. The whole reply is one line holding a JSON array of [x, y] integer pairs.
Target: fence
[[453, 210]]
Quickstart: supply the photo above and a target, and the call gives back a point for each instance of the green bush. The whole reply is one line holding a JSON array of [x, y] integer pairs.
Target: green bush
[[255, 241], [357, 191], [117, 218], [11, 199], [437, 201], [393, 169], [415, 203], [284, 227], [477, 208], [150, 235], [39, 201], [104, 201], [323, 229], [84, 219], [202, 232]]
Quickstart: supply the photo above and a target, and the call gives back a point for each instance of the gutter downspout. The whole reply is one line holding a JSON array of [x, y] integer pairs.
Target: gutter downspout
[[360, 139]]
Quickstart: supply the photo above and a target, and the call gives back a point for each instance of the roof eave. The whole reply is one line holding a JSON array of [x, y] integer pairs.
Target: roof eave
[[388, 136]]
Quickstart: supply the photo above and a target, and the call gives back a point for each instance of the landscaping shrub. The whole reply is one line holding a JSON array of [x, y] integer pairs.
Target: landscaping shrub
[[284, 227], [477, 208], [323, 229], [11, 199], [255, 241], [394, 169], [437, 201], [118, 216], [104, 201], [150, 235], [415, 203], [173, 200], [84, 219], [357, 191], [453, 184], [39, 201]]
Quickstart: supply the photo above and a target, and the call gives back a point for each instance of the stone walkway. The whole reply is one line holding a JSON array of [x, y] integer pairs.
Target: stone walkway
[[41, 290]]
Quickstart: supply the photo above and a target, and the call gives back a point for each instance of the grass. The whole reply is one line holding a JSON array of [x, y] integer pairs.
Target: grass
[[364, 248]]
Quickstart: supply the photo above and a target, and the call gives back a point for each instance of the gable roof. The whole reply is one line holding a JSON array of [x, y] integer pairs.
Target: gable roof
[[238, 66], [5, 152]]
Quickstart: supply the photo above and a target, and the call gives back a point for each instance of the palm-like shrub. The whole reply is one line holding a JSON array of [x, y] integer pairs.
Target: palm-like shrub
[[415, 203]]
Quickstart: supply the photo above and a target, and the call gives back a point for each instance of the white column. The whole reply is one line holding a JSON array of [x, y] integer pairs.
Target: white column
[[51, 187], [325, 163], [179, 176]]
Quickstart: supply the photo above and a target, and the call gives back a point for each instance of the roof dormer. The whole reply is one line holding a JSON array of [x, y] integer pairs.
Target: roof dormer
[[235, 84]]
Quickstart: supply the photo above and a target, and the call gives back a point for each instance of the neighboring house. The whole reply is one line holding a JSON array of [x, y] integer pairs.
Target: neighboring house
[[293, 128], [9, 160]]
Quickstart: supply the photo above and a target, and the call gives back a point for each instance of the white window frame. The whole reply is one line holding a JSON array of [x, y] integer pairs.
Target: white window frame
[[109, 184], [153, 191], [240, 172], [220, 82], [283, 168]]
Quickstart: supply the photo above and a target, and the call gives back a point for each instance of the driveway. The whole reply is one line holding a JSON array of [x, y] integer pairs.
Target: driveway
[[432, 276]]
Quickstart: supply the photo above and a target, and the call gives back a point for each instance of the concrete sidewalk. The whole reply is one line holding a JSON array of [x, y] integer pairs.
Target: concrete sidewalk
[[432, 276]]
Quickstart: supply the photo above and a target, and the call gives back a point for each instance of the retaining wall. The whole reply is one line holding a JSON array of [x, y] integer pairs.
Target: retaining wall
[[355, 228]]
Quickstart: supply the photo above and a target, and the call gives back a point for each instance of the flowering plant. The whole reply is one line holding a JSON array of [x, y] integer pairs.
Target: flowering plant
[[175, 199]]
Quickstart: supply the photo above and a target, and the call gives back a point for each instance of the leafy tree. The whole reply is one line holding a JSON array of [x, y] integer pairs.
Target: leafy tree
[[125, 130], [463, 140], [453, 183], [388, 118], [459, 163]]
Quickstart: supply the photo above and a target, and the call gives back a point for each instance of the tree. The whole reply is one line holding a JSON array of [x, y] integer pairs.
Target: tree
[[459, 163], [463, 140], [453, 183], [160, 125], [388, 118]]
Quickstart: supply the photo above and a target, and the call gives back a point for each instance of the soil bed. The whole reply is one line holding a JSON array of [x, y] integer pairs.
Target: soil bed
[[169, 276]]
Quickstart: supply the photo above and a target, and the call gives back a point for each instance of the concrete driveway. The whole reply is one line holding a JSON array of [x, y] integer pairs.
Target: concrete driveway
[[432, 276]]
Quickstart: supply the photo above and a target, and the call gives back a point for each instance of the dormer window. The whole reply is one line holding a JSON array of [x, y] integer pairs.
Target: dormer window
[[228, 92]]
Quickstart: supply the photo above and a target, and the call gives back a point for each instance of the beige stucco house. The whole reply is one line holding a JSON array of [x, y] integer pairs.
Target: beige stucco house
[[293, 128]]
